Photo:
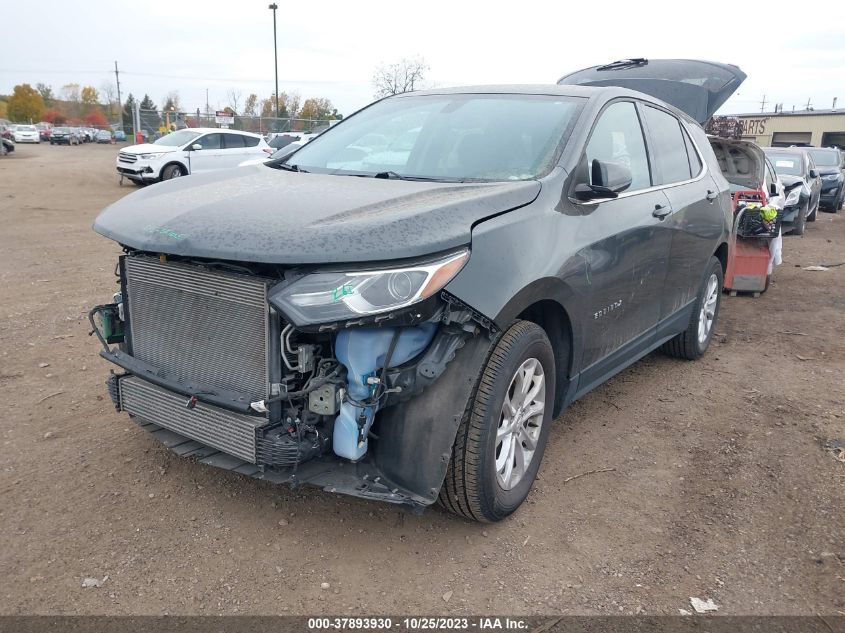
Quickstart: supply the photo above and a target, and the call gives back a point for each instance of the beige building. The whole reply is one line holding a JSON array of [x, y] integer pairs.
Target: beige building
[[819, 128]]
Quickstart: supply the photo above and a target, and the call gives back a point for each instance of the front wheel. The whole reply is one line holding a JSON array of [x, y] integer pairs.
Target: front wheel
[[172, 171], [801, 219], [694, 341], [502, 437], [812, 216]]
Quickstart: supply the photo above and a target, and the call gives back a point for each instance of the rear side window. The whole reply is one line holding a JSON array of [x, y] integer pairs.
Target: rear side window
[[250, 141], [668, 147], [695, 165], [233, 141], [618, 137]]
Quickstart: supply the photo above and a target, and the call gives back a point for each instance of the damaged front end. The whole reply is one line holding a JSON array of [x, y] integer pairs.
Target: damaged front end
[[302, 376]]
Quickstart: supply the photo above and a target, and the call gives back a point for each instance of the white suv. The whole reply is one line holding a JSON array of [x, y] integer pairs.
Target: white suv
[[189, 151]]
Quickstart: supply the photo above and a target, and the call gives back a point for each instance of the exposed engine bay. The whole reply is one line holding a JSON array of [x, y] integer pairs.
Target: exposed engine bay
[[208, 352]]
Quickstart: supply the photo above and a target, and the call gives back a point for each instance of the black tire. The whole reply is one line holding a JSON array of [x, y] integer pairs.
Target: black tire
[[800, 222], [472, 488], [812, 216], [687, 344], [172, 171]]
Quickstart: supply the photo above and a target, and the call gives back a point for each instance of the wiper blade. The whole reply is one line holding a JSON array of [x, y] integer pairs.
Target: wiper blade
[[624, 63], [286, 167], [392, 175]]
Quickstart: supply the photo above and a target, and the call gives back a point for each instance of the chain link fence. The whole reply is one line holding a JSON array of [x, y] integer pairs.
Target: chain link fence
[[155, 123]]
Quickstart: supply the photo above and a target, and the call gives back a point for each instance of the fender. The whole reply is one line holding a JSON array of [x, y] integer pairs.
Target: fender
[[415, 438]]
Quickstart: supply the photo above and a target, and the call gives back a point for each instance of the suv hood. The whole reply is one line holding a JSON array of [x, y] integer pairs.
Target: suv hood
[[696, 87], [148, 148], [261, 214]]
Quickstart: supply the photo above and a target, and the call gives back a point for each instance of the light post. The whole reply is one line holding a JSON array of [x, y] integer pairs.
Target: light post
[[274, 6]]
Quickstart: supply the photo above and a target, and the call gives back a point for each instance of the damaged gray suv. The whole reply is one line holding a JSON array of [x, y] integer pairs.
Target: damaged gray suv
[[399, 309]]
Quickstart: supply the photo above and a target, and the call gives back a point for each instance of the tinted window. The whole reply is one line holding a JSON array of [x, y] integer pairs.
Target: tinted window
[[250, 141], [668, 148], [209, 141], [694, 160], [233, 141], [618, 137]]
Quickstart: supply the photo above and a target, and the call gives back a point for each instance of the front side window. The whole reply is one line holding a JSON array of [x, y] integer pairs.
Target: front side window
[[618, 137], [209, 141], [668, 147], [476, 137]]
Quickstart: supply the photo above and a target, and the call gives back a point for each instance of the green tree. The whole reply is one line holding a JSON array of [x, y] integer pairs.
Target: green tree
[[46, 93], [150, 119], [128, 109], [317, 109], [25, 104]]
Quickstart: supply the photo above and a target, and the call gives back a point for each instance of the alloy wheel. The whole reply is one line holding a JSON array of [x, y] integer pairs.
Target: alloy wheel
[[708, 308], [520, 422]]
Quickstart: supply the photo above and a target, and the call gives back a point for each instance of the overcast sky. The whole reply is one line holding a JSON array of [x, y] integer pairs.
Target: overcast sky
[[330, 49]]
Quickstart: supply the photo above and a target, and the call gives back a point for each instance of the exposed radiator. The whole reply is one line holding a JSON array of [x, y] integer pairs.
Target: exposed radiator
[[230, 432], [201, 326]]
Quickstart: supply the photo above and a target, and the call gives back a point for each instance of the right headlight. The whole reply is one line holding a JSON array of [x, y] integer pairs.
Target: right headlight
[[325, 297], [793, 197]]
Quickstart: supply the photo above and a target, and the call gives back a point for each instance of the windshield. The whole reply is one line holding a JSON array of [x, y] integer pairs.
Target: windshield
[[789, 164], [176, 139], [825, 157], [27, 128], [446, 137]]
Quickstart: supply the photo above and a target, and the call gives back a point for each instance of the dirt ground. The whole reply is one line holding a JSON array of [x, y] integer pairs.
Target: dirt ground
[[721, 487]]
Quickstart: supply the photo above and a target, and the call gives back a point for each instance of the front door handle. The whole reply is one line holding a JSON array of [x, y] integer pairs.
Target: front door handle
[[661, 211], [711, 195]]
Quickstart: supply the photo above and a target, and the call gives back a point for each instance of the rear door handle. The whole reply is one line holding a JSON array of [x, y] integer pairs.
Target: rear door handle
[[711, 195], [661, 211]]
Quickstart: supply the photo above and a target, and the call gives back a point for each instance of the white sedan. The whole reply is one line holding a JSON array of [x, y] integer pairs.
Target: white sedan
[[26, 134], [189, 151]]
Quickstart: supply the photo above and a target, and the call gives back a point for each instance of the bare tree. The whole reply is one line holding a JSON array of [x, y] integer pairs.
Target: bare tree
[[108, 91], [405, 75], [234, 99]]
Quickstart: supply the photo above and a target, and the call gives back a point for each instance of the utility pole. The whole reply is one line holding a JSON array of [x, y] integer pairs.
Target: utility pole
[[833, 107], [808, 105], [207, 110], [119, 102], [273, 7], [763, 104]]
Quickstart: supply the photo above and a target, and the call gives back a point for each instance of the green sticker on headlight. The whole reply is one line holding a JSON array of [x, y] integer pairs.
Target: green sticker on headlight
[[342, 291]]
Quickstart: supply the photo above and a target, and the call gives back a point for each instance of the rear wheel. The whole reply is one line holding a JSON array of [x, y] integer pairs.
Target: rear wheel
[[694, 341], [502, 437]]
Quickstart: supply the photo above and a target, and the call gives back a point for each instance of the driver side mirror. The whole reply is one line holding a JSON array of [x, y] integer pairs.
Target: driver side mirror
[[814, 173], [609, 179], [196, 147]]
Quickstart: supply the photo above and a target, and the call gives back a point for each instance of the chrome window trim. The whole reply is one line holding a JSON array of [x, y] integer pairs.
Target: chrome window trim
[[705, 168]]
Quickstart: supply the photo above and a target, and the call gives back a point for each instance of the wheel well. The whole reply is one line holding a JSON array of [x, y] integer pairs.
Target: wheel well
[[173, 162], [552, 317], [722, 255]]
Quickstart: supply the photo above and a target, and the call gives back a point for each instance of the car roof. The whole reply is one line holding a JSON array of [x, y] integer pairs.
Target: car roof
[[786, 150]]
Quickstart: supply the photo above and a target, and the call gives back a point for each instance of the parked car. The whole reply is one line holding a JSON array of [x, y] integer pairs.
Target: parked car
[[795, 166], [103, 136], [830, 164], [120, 136], [189, 151], [63, 136], [409, 334], [44, 130], [280, 140], [26, 134], [751, 175]]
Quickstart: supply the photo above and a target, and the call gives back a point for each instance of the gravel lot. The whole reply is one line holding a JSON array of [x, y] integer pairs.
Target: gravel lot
[[722, 486]]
